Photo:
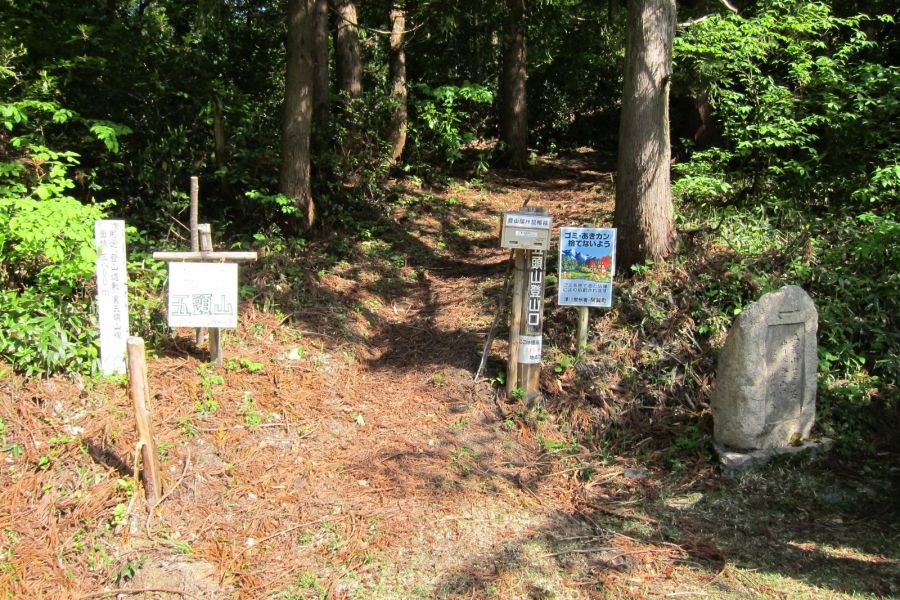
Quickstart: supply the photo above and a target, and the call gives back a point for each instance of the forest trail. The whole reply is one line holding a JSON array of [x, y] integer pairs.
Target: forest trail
[[343, 450]]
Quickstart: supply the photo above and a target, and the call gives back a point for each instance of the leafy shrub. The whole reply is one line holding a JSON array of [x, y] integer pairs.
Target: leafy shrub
[[806, 112], [46, 242], [354, 158], [804, 182], [445, 119]]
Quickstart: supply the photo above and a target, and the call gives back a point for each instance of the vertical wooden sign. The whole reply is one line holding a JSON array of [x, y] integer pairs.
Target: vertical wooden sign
[[112, 295], [528, 233], [531, 330]]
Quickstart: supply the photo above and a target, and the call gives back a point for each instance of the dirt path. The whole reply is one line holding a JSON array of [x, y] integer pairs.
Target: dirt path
[[343, 450]]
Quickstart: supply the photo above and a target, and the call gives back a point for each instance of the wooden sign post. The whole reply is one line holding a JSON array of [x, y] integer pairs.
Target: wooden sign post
[[203, 284], [203, 291], [582, 333], [112, 295], [527, 232]]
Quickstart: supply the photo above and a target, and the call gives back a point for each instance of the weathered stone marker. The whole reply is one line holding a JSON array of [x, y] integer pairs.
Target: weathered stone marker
[[765, 396]]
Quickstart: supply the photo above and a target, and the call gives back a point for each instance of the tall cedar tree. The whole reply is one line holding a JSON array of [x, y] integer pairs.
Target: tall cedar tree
[[398, 80], [644, 213], [346, 45], [513, 117], [321, 91], [298, 108]]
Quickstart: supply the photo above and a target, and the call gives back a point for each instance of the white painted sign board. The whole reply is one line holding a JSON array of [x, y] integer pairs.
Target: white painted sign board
[[112, 295], [203, 294], [525, 231], [530, 349]]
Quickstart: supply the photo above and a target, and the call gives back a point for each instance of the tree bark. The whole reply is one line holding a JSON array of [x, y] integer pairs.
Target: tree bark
[[321, 89], [513, 116], [220, 149], [398, 81], [349, 67], [612, 10], [298, 108], [644, 213]]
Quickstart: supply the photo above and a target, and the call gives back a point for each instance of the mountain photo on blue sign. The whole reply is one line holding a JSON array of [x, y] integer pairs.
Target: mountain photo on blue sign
[[587, 263]]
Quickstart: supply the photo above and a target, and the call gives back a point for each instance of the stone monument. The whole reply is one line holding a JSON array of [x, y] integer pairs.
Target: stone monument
[[765, 397]]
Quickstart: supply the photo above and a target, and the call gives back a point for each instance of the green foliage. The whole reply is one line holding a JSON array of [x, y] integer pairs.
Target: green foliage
[[576, 52], [251, 413], [353, 160], [804, 104], [802, 186], [46, 243], [444, 120], [207, 404]]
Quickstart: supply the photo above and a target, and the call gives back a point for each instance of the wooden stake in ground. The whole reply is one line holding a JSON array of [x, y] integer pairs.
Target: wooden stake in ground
[[581, 337], [195, 214], [140, 396], [531, 329], [195, 237], [204, 234]]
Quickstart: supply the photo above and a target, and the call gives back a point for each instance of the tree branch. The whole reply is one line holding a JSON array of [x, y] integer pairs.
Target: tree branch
[[725, 3], [729, 6], [372, 29]]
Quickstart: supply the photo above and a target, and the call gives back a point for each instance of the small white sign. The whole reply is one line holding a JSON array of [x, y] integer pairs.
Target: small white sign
[[112, 295], [530, 349], [203, 294], [527, 220]]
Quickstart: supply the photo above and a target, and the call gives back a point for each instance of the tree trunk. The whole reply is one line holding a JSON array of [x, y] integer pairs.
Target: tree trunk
[[298, 108], [321, 90], [644, 213], [398, 81], [707, 133], [349, 67], [513, 117], [612, 10], [220, 150]]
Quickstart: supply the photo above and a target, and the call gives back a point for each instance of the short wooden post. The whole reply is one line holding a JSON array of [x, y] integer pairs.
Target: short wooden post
[[199, 332], [215, 346], [204, 243], [195, 214], [140, 396], [515, 320], [215, 334], [581, 338]]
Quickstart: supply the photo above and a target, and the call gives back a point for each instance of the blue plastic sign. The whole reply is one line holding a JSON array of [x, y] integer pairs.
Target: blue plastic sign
[[587, 263]]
